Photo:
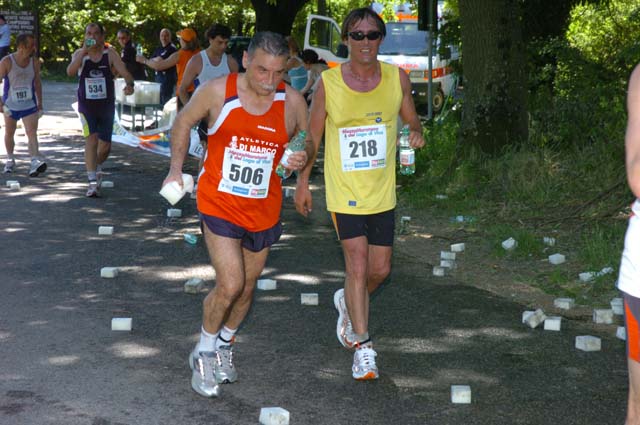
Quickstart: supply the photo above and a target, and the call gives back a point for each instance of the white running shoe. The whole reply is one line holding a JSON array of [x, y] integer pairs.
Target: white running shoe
[[364, 364], [92, 190], [37, 166], [224, 368], [344, 328], [203, 378], [226, 372], [9, 166]]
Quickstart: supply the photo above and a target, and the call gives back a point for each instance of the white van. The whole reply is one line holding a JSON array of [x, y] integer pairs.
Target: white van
[[404, 46]]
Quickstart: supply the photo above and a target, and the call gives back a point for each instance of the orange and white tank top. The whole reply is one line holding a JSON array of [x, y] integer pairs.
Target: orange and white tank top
[[238, 182]]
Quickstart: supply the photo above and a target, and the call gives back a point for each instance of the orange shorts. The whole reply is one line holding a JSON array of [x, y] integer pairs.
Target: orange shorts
[[632, 326]]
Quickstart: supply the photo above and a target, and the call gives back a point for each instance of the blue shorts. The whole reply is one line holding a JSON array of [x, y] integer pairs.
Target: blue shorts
[[378, 228], [253, 241], [18, 115], [101, 124]]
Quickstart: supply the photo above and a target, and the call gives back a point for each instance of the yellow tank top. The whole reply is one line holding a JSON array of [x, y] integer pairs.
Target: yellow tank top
[[360, 143]]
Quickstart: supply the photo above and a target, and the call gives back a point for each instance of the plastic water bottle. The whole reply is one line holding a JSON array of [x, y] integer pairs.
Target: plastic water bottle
[[139, 49], [296, 144], [407, 154]]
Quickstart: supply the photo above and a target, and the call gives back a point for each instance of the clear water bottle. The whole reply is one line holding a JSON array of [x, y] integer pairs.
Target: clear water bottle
[[296, 144], [139, 49], [407, 154]]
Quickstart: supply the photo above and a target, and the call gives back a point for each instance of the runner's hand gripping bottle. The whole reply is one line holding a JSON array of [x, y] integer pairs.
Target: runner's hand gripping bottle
[[407, 154], [296, 144]]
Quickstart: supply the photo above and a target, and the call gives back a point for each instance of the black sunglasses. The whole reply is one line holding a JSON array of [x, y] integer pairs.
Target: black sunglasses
[[359, 35]]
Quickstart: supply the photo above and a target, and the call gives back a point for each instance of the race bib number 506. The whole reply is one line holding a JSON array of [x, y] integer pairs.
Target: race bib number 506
[[246, 174], [363, 147]]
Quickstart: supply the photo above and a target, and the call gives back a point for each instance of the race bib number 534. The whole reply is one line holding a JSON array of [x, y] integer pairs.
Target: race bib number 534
[[363, 147], [246, 174], [95, 88]]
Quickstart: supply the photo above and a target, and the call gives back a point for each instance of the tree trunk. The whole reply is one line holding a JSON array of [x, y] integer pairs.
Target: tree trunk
[[276, 15], [322, 7], [495, 88]]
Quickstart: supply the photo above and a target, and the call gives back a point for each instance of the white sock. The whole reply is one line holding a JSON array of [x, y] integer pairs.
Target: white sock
[[363, 340], [225, 337], [207, 341]]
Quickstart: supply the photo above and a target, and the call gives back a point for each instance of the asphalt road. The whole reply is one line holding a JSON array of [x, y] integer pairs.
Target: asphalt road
[[60, 363]]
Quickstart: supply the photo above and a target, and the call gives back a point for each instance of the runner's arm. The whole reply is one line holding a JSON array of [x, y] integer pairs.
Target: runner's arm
[[189, 76], [408, 112], [121, 68], [76, 62], [5, 67], [160, 64], [297, 121], [206, 101], [37, 82], [632, 135], [317, 118]]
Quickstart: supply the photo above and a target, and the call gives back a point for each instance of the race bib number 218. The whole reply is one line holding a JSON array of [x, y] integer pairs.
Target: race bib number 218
[[363, 147]]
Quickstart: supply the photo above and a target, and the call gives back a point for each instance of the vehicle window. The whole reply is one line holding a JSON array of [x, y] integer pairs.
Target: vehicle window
[[324, 35], [403, 38]]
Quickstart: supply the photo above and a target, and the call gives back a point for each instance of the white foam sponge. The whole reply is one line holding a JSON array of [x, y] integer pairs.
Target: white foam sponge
[[109, 272], [588, 343], [617, 306], [121, 324], [457, 247], [603, 316], [105, 230], [621, 333], [557, 259], [193, 285], [461, 394], [535, 319], [447, 255], [552, 323], [267, 284], [564, 303], [509, 244], [274, 416], [309, 299]]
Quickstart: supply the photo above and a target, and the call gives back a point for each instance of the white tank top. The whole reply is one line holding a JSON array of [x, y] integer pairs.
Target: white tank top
[[210, 71], [19, 86]]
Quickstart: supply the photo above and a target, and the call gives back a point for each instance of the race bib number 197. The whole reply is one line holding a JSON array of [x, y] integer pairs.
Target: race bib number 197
[[21, 94], [363, 147]]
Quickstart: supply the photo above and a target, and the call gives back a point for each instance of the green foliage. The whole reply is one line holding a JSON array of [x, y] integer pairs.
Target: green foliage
[[578, 82], [529, 244], [605, 33], [601, 245]]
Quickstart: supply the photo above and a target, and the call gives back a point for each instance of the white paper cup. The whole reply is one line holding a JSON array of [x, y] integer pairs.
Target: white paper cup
[[172, 191], [187, 182]]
